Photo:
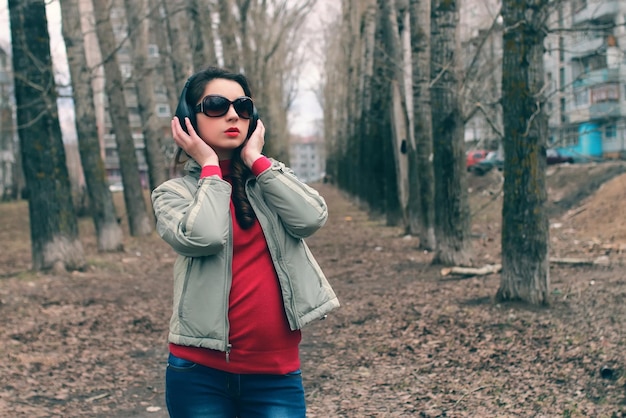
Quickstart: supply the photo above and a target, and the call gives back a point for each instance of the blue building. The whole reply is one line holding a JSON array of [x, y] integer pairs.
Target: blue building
[[586, 79]]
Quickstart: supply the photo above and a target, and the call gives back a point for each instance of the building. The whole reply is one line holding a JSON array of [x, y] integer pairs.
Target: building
[[586, 79], [481, 58], [307, 157]]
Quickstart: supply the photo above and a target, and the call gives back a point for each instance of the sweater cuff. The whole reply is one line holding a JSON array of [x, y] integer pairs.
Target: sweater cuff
[[260, 165], [211, 170]]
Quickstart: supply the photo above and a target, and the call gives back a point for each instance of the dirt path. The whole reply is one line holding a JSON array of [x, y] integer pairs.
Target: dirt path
[[406, 342]]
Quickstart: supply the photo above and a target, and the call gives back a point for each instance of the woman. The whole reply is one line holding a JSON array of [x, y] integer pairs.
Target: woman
[[244, 281]]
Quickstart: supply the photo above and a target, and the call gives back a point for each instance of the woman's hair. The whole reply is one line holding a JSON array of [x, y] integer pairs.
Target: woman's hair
[[239, 171]]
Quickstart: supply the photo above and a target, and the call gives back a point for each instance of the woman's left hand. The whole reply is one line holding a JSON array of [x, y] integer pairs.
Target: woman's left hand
[[253, 146]]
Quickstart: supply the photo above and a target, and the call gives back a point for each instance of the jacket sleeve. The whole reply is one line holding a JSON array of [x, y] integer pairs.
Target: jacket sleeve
[[194, 222], [300, 207]]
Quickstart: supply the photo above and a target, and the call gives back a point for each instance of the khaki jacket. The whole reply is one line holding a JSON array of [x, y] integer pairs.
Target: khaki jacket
[[193, 216]]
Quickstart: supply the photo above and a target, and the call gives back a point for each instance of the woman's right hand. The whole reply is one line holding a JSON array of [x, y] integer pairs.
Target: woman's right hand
[[192, 144]]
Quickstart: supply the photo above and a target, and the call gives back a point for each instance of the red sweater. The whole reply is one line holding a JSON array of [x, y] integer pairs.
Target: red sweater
[[260, 338]]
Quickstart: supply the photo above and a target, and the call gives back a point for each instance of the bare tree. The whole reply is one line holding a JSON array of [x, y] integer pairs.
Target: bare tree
[[421, 176], [138, 221], [53, 223], [165, 65], [452, 218], [108, 231], [201, 36], [144, 82], [401, 129], [178, 43], [227, 33], [525, 233]]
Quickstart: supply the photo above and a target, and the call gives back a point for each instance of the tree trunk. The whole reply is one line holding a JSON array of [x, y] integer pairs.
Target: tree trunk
[[201, 37], [138, 221], [227, 30], [53, 223], [108, 231], [144, 81], [178, 43], [452, 218], [165, 65], [421, 174], [399, 112], [525, 234]]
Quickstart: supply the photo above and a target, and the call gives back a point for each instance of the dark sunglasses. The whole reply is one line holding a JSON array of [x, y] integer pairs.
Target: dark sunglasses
[[215, 106]]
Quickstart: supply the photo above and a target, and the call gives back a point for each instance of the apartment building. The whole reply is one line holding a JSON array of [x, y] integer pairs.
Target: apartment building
[[586, 79], [307, 157]]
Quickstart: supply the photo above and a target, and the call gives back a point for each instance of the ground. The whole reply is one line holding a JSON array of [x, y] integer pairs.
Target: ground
[[406, 342]]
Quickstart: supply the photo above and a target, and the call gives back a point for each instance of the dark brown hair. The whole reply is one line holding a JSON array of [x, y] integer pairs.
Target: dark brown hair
[[239, 171]]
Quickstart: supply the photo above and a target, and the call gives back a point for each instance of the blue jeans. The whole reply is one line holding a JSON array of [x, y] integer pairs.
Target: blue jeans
[[196, 391]]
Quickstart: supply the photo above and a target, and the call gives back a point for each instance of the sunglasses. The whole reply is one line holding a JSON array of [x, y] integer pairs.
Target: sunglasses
[[215, 106]]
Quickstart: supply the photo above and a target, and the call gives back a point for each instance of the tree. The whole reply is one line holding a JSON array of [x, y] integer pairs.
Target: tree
[[421, 172], [53, 223], [452, 218], [138, 26], [201, 36], [227, 33], [108, 231], [138, 221], [402, 134], [178, 44], [525, 266]]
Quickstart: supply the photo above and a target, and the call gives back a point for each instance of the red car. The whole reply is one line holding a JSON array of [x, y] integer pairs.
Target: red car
[[474, 156]]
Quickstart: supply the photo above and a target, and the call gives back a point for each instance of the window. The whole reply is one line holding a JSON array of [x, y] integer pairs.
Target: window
[[581, 97], [610, 133], [549, 81], [163, 110], [605, 93], [153, 51], [126, 70]]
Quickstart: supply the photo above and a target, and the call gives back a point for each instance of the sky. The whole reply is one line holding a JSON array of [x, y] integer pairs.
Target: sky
[[306, 114], [304, 117]]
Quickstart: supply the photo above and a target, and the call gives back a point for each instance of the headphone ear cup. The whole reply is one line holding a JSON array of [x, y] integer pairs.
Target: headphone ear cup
[[253, 121], [183, 110]]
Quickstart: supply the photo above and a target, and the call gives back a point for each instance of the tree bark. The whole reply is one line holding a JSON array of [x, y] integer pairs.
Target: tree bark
[[138, 221], [178, 43], [144, 82], [53, 223], [227, 30], [201, 40], [399, 112], [165, 65], [452, 218], [108, 231], [525, 230], [421, 174]]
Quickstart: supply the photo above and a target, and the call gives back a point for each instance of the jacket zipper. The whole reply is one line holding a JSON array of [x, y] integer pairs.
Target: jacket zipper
[[228, 345], [262, 207]]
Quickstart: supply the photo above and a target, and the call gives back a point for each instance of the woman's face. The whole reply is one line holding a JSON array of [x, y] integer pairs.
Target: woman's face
[[223, 133]]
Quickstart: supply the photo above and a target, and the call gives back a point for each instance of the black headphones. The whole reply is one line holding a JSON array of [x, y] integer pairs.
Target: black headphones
[[183, 110]]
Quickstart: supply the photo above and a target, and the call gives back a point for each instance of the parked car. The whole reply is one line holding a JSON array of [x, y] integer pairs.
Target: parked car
[[491, 161], [555, 157], [116, 187], [474, 156]]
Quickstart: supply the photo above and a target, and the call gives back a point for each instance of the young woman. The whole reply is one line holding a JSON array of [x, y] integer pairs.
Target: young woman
[[245, 282]]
